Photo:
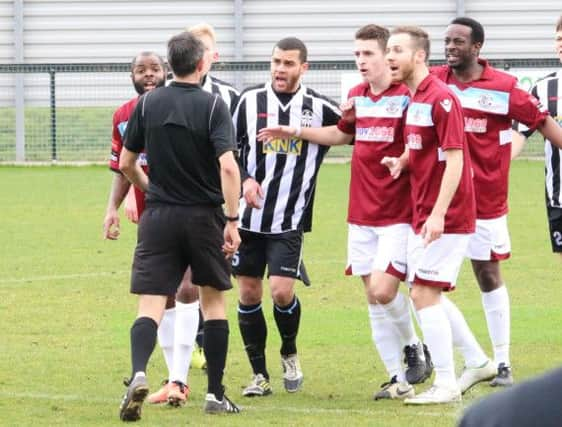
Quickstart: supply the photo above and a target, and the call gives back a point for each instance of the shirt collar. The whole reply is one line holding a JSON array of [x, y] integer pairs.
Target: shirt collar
[[425, 83]]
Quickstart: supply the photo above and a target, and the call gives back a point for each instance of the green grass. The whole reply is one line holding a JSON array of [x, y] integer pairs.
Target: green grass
[[66, 312], [84, 134]]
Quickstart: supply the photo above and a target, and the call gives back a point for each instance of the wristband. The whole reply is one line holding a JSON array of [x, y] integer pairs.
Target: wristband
[[232, 218], [298, 132]]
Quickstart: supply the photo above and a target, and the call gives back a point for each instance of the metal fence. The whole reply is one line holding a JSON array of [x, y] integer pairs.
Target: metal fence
[[63, 112]]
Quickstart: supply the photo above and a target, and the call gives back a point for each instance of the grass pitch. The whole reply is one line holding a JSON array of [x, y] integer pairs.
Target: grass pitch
[[65, 312]]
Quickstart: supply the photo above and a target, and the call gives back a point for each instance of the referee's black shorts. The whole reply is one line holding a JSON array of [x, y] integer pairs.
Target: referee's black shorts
[[171, 238]]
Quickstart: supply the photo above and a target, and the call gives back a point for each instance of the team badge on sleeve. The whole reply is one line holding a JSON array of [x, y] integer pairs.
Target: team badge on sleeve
[[446, 104]]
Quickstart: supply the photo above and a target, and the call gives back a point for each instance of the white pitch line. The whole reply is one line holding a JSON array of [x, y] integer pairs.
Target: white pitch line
[[64, 276], [375, 410], [9, 280]]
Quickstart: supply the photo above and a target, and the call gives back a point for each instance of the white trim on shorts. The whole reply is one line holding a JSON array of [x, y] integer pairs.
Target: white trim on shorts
[[381, 248], [437, 264], [491, 241]]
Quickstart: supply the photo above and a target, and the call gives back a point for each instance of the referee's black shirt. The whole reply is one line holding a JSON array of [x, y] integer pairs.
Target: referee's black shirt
[[183, 131]]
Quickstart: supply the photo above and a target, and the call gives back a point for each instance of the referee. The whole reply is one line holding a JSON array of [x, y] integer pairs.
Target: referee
[[189, 141]]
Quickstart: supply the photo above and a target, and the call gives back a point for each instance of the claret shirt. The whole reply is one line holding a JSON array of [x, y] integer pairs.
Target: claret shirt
[[120, 120], [434, 124], [489, 105], [375, 198]]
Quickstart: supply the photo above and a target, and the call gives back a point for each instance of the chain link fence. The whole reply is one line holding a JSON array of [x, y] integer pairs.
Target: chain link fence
[[63, 112]]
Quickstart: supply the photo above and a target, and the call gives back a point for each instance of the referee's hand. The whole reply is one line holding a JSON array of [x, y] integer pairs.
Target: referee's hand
[[231, 239]]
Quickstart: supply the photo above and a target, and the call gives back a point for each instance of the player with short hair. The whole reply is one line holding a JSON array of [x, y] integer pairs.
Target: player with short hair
[[547, 90], [443, 204], [379, 210], [188, 137], [148, 71], [279, 178], [490, 99]]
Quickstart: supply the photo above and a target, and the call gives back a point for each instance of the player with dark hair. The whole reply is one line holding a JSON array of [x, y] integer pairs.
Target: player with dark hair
[[442, 194], [379, 210], [148, 71], [279, 178], [189, 140], [491, 100]]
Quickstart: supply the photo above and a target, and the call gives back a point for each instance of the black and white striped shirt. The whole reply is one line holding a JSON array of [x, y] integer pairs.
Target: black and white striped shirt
[[548, 91], [213, 85], [285, 169], [223, 89]]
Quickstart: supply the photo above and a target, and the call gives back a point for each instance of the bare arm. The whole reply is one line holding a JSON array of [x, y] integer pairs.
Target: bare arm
[[551, 131], [435, 224], [230, 183], [327, 135], [119, 187], [132, 170], [517, 144]]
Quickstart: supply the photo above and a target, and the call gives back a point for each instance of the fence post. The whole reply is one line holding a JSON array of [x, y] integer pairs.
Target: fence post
[[53, 108], [19, 95]]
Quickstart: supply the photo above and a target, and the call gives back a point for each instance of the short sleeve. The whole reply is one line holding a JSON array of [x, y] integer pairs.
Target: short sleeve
[[221, 129], [449, 122], [525, 107], [116, 144], [134, 135]]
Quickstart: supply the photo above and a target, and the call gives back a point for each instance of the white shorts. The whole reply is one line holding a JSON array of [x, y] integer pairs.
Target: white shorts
[[491, 240], [377, 248], [439, 263]]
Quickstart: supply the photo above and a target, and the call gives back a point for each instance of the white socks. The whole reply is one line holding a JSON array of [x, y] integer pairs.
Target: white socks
[[463, 338], [185, 331], [387, 341], [497, 310], [166, 337], [438, 338], [398, 311]]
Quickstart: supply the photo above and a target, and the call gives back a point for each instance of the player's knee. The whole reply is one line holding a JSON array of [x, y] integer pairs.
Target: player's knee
[[384, 295], [250, 291], [282, 297], [488, 277]]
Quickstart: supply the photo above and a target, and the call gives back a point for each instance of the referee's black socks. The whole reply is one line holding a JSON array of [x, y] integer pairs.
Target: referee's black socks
[[288, 320], [215, 345], [143, 340]]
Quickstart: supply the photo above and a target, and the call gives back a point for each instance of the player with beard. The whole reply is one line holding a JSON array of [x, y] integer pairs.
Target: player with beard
[[279, 178], [379, 210], [148, 71], [443, 207], [491, 100]]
